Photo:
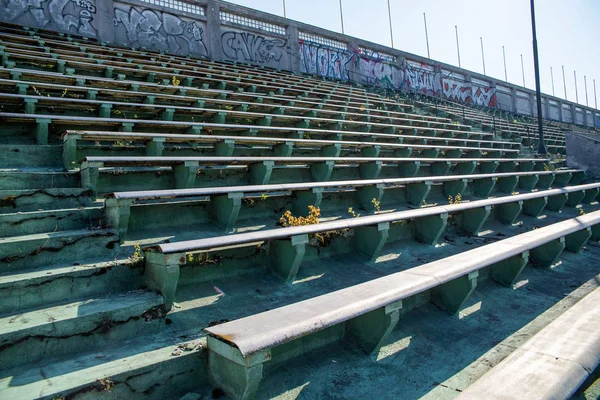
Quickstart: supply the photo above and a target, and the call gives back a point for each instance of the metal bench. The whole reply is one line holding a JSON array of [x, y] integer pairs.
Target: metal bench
[[368, 312]]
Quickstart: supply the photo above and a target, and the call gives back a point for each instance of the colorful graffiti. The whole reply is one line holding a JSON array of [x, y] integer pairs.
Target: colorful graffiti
[[324, 61], [75, 16], [155, 30], [377, 72], [249, 47], [464, 92], [423, 79]]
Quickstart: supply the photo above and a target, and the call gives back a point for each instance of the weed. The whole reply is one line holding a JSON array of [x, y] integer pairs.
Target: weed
[[264, 196], [455, 200], [581, 211], [105, 384], [377, 204], [175, 81], [287, 219], [137, 253], [353, 213]]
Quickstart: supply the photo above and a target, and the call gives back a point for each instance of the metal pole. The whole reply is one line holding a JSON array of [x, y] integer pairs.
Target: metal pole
[[284, 14], [595, 98], [342, 16], [538, 90], [586, 96], [426, 35], [552, 77], [457, 46], [482, 54], [504, 56], [576, 94], [523, 70], [564, 81], [390, 18]]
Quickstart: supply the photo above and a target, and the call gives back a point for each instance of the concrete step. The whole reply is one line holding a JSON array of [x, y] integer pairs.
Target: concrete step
[[36, 178], [141, 368], [19, 155], [24, 200], [28, 289], [45, 249], [77, 326], [28, 223]]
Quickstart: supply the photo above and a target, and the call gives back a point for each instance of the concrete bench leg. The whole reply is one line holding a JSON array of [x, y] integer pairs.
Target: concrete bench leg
[[534, 207], [488, 167], [576, 178], [117, 215], [229, 370], [453, 188], [226, 209], [409, 169], [416, 193], [371, 330], [332, 150], [506, 272], [507, 184], [556, 202], [507, 213], [287, 255], [440, 168], [547, 254], [369, 240], [185, 174], [525, 166], [321, 172], [370, 151], [304, 198], [430, 153], [370, 170], [575, 198], [366, 194], [465, 168], [545, 181], [89, 175], [451, 295], [473, 219], [575, 241], [260, 173], [455, 153], [283, 149], [483, 187], [528, 182], [70, 151], [161, 273], [590, 195], [41, 130], [155, 147], [429, 229], [561, 180], [225, 148], [403, 152]]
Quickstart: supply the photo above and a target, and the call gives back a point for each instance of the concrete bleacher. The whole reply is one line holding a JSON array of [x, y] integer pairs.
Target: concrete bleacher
[[145, 253]]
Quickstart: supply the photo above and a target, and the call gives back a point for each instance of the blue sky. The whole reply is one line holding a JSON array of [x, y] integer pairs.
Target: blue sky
[[568, 34]]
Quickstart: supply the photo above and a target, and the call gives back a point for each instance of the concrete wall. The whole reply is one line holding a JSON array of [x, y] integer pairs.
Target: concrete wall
[[224, 31], [583, 152]]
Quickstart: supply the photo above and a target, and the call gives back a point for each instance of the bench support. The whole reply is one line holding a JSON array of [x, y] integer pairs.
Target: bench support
[[366, 194], [508, 166], [507, 184], [506, 272], [473, 219], [370, 151], [154, 148], [590, 195], [225, 148], [403, 152], [488, 167], [321, 172], [507, 213], [575, 198], [370, 170], [260, 173], [226, 209], [369, 240], [409, 169], [70, 151], [416, 193], [429, 229], [440, 168], [41, 130], [89, 175], [161, 273], [117, 215], [283, 149], [237, 375], [534, 207], [556, 202], [561, 180], [451, 295], [528, 182], [575, 241], [305, 198], [455, 187], [465, 168], [332, 150], [545, 181], [185, 174], [287, 255], [371, 330], [547, 254], [483, 187]]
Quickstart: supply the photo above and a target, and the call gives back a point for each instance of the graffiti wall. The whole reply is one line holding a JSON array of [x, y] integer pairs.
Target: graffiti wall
[[325, 61], [422, 78], [73, 16], [254, 48], [466, 92], [376, 72], [156, 30]]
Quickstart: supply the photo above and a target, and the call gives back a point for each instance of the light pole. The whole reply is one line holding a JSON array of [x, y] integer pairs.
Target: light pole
[[342, 16], [538, 91], [564, 82], [523, 70], [576, 93], [457, 46], [552, 77], [284, 14], [482, 55], [504, 57], [390, 18], [586, 95], [426, 35]]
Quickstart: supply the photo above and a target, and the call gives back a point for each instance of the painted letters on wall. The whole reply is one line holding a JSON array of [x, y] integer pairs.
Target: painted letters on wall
[[325, 61], [423, 79], [465, 92], [254, 48], [73, 16], [377, 72], [156, 30]]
